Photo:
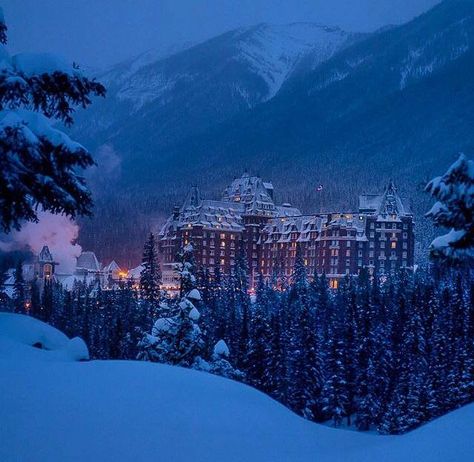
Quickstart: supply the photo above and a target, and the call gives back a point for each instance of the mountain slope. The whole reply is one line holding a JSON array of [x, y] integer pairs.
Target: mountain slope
[[196, 88]]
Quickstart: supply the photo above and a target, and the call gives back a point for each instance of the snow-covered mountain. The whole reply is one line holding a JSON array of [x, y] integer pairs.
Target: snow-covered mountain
[[269, 52], [194, 87]]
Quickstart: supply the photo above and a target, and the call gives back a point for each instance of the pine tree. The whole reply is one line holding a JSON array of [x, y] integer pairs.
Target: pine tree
[[259, 353], [39, 165], [454, 210], [176, 338], [335, 396], [220, 364], [19, 296], [150, 277]]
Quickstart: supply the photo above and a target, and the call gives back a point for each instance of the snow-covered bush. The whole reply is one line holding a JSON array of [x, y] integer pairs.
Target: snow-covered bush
[[454, 210], [220, 364], [39, 163]]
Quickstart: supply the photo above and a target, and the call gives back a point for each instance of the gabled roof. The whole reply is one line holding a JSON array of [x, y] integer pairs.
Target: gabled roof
[[45, 255], [112, 266], [386, 205], [88, 261]]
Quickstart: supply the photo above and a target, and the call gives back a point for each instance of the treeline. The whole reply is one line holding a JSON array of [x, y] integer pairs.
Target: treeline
[[377, 353]]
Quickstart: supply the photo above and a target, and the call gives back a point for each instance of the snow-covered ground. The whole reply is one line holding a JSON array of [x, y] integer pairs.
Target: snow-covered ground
[[131, 411]]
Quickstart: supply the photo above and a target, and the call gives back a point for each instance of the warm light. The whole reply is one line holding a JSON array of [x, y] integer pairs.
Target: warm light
[[123, 274]]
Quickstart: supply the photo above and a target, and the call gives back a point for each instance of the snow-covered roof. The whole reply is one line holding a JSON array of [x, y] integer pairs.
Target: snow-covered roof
[[134, 273], [387, 205], [45, 255], [247, 195], [88, 261], [112, 266]]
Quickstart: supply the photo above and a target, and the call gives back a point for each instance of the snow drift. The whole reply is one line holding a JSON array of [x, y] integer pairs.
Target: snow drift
[[123, 411], [23, 337]]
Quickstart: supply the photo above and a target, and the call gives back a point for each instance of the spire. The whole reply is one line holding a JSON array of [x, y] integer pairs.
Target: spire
[[391, 203], [45, 255], [194, 197]]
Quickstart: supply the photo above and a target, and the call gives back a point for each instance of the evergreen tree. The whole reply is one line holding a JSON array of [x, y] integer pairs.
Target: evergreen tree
[[39, 165], [220, 364], [19, 296], [150, 277], [454, 209]]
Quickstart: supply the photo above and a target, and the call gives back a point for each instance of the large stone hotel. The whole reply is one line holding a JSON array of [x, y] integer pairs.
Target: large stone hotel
[[379, 236]]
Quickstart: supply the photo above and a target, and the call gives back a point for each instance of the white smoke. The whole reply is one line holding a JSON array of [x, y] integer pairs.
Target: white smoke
[[58, 232]]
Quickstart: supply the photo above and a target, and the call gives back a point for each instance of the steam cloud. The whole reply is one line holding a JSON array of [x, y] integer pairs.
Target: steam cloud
[[58, 232]]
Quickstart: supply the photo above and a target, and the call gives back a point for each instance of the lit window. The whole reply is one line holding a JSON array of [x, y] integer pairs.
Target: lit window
[[394, 245]]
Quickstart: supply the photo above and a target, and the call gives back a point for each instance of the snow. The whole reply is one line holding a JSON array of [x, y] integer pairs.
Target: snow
[[35, 126], [446, 240], [162, 325], [221, 349], [128, 410], [18, 334], [41, 63], [194, 314], [274, 51], [194, 295], [122, 411]]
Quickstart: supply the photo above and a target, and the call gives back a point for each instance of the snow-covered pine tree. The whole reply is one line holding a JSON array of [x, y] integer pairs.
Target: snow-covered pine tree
[[39, 163], [454, 210], [19, 296], [335, 396], [240, 282], [259, 353], [176, 338], [150, 276], [220, 364]]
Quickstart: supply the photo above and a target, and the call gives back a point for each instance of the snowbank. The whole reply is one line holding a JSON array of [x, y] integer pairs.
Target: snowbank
[[124, 411], [26, 338]]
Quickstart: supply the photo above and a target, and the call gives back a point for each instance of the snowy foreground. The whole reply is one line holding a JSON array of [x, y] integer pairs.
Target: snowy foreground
[[54, 408]]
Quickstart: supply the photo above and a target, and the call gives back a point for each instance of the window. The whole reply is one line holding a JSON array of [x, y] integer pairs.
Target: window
[[382, 245], [348, 243], [371, 244], [222, 261], [222, 236], [393, 245], [333, 283]]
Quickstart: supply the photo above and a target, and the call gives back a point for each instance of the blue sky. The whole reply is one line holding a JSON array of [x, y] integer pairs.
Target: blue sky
[[97, 33]]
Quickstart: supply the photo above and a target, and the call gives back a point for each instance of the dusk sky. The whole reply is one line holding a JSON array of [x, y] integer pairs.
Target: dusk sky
[[98, 33]]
